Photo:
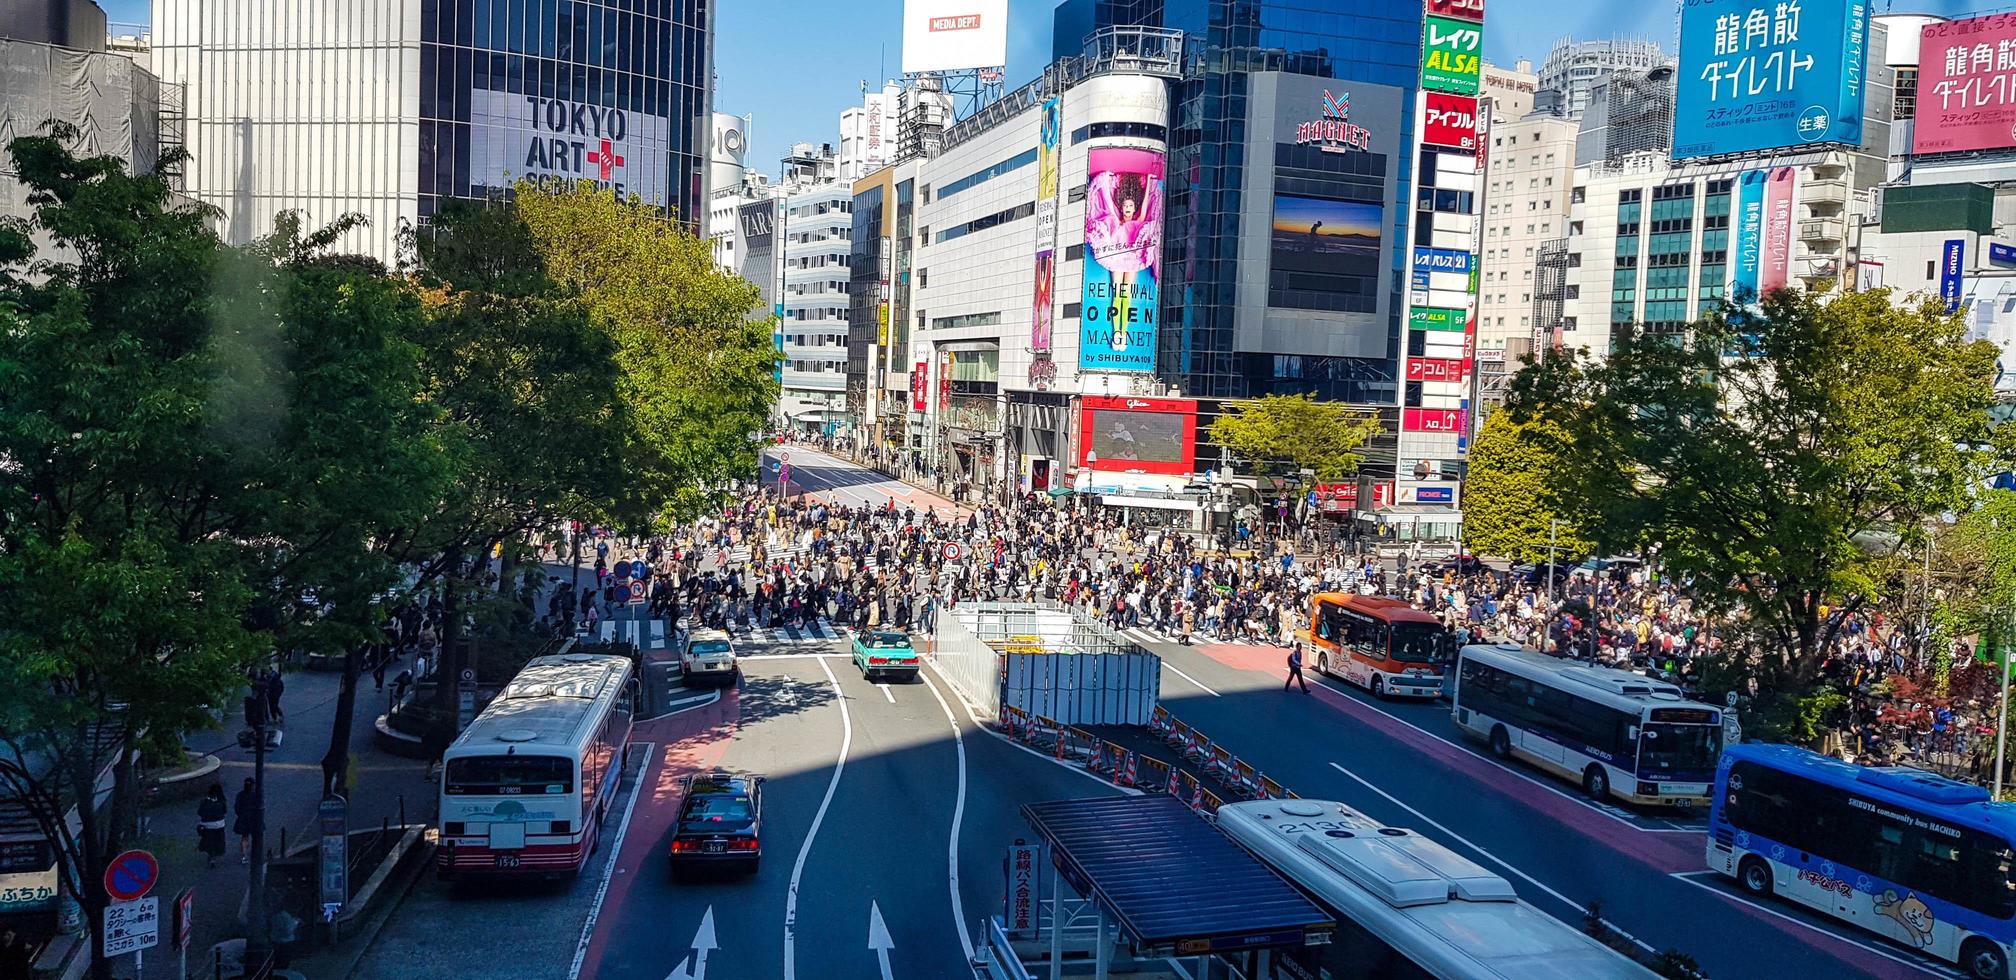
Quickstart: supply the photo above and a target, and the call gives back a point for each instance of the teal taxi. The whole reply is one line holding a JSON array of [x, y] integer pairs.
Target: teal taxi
[[884, 653]]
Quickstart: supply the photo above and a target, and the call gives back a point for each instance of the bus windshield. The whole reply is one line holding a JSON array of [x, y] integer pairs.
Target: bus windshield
[[509, 775], [1417, 643], [1681, 750]]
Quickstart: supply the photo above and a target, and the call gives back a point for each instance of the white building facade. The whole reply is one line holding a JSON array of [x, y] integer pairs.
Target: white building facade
[[868, 132], [815, 236]]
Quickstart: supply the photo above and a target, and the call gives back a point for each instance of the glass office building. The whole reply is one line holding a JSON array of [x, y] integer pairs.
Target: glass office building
[[1239, 173]]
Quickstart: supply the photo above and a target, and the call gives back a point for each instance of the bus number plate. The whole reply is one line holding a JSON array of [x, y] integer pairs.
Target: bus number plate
[[507, 860]]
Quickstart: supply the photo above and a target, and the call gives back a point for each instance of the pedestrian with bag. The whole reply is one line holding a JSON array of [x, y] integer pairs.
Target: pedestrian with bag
[[210, 816]]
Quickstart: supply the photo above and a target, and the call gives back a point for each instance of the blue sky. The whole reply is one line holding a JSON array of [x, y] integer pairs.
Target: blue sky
[[794, 65]]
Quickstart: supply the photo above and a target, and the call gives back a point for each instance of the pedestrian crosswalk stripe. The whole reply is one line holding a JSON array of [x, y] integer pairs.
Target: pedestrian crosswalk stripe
[[644, 634]]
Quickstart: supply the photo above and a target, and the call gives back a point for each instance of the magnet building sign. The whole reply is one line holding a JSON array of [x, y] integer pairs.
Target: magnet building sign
[[1767, 74], [1334, 132]]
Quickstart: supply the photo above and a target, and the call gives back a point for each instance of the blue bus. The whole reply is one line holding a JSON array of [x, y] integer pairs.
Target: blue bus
[[1921, 859]]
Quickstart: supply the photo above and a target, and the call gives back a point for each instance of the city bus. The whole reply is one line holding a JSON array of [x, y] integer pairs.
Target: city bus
[[1620, 734], [528, 785], [1916, 857], [1382, 645], [1406, 906]]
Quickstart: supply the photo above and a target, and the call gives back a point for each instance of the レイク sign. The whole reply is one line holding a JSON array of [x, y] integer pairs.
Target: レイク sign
[[1451, 55], [1334, 132], [1450, 120]]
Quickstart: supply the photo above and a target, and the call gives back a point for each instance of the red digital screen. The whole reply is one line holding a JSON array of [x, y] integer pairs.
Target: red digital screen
[[1138, 435]]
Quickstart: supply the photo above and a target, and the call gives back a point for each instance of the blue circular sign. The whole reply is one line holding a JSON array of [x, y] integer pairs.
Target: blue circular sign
[[1814, 123]]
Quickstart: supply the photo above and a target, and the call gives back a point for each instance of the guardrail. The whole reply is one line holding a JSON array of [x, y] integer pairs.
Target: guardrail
[[1235, 777]]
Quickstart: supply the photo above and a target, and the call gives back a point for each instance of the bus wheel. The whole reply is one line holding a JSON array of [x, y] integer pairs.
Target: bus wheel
[[1322, 663], [1596, 783], [1378, 686], [1501, 743], [1755, 876], [1983, 960]]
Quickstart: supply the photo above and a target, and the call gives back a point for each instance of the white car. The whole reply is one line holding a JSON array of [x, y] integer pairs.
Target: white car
[[709, 656]]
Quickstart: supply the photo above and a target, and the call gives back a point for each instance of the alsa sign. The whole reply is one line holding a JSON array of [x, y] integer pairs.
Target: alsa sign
[[1450, 120], [1334, 132]]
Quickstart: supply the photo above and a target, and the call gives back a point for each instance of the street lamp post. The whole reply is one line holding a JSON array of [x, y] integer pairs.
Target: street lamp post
[[1553, 534], [2002, 721]]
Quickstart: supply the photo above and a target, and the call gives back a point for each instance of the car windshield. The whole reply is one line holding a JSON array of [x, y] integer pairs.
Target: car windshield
[[701, 648], [716, 813], [1679, 750], [888, 641], [1417, 643]]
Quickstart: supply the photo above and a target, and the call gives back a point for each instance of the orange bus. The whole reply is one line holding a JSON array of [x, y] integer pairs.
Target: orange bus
[[1382, 645]]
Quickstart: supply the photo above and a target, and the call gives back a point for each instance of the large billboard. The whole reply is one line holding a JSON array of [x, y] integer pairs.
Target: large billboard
[[1451, 121], [1319, 235], [1967, 85], [1138, 435], [947, 35], [514, 136], [1123, 260], [1452, 54], [1043, 304], [1765, 74]]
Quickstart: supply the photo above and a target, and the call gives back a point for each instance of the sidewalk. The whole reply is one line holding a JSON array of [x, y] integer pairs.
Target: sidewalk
[[293, 788]]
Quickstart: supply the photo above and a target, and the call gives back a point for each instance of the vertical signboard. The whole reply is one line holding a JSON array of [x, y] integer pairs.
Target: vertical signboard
[[1749, 236], [1025, 889], [1451, 121], [1764, 74], [1043, 302], [1967, 85], [1776, 263], [1123, 258], [1952, 265], [944, 381], [1452, 53], [920, 386]]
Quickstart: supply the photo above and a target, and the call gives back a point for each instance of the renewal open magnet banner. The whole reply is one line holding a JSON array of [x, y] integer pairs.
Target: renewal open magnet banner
[[1123, 260]]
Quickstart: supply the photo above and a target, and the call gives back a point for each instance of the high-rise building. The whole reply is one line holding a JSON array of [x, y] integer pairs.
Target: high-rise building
[[1527, 183], [868, 132], [1630, 113], [388, 108], [1575, 69]]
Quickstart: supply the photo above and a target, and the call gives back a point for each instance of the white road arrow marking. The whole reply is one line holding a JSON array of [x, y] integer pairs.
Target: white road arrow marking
[[695, 966], [886, 694], [878, 938]]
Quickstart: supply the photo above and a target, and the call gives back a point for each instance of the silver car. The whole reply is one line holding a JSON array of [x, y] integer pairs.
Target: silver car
[[709, 656]]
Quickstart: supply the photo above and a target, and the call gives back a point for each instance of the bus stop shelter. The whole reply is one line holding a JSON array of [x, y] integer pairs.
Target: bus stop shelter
[[1170, 881]]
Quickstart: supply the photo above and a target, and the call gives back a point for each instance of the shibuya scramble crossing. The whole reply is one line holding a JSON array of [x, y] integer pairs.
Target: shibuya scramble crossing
[[1393, 492]]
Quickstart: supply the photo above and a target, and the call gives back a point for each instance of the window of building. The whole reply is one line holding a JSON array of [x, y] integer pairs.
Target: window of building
[[988, 319], [923, 278], [979, 177], [1073, 310]]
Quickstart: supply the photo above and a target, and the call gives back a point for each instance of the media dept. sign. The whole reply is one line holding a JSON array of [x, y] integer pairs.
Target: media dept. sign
[[1765, 74], [513, 136]]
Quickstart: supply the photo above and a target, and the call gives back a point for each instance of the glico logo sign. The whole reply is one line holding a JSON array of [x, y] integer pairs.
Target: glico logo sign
[[1137, 403], [1335, 132]]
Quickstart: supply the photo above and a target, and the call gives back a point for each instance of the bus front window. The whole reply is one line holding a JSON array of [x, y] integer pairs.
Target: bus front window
[[1686, 752], [1417, 643]]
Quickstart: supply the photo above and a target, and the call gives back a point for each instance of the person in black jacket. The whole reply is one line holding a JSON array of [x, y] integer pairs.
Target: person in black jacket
[[210, 816], [250, 812]]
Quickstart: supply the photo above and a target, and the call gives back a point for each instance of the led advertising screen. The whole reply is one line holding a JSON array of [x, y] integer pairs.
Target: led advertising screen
[[1042, 305], [946, 35], [1142, 435], [1967, 85], [1316, 235], [1123, 259], [1764, 74]]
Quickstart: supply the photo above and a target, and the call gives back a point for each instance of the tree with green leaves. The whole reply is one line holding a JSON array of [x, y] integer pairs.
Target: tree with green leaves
[[1508, 510], [1763, 450], [1281, 435]]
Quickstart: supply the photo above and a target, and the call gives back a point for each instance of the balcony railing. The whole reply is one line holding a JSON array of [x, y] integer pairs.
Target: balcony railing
[[1133, 50]]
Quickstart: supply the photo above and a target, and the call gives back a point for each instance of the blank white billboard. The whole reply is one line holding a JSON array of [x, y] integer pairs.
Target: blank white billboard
[[946, 35]]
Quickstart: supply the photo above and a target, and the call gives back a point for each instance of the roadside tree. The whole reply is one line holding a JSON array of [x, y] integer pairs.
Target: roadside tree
[[1280, 435], [1510, 508]]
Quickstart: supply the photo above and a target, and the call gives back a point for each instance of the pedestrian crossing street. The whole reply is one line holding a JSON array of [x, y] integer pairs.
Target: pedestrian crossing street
[[738, 556], [659, 634], [1146, 634]]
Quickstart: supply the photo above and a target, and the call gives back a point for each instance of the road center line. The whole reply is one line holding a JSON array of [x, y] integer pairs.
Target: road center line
[[1187, 677], [886, 694], [812, 833], [1501, 862], [1690, 878], [609, 866], [958, 820]]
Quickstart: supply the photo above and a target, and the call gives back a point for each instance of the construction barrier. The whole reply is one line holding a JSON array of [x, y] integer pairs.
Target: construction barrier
[[1195, 745], [1209, 802], [1245, 779], [1218, 764], [1269, 789], [1014, 722], [1076, 744], [1160, 721], [1043, 733], [1185, 786], [1154, 775], [1129, 772], [1178, 734]]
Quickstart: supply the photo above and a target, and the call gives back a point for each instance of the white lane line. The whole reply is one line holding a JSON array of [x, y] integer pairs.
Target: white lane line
[[958, 820], [685, 704], [1501, 862], [812, 833], [609, 867], [1689, 877], [1583, 802], [886, 694], [792, 656], [974, 714], [1193, 680]]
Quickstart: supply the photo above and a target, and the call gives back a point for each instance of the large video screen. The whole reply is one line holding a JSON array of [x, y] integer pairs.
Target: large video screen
[[1148, 437], [1325, 254]]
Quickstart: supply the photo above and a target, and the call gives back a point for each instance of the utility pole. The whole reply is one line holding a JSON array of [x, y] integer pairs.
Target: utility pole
[[1925, 608], [259, 943], [1553, 534], [2002, 721]]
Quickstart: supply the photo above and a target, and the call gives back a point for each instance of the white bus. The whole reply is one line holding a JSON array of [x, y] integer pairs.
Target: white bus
[[1619, 734], [1407, 907], [526, 788]]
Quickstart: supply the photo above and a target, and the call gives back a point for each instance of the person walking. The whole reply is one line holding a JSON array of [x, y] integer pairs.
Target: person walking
[[275, 686], [210, 816], [250, 815], [1295, 669]]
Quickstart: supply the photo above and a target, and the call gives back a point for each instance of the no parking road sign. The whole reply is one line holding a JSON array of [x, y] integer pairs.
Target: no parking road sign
[[131, 875], [951, 551], [636, 591]]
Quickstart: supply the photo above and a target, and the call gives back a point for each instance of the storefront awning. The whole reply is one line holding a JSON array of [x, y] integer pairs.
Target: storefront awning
[[1411, 514]]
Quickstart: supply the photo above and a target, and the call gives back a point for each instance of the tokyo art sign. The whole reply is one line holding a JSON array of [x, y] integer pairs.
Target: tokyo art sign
[[1967, 85], [513, 137], [1765, 74]]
